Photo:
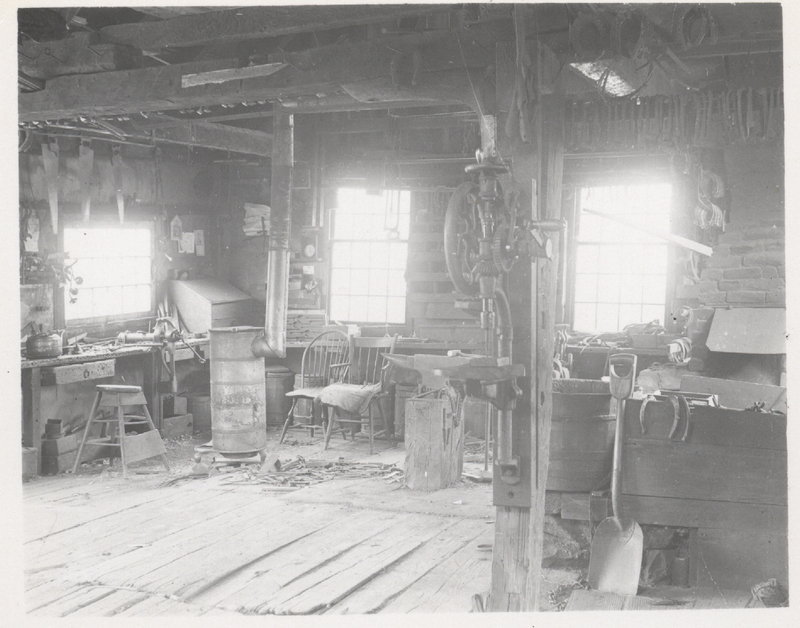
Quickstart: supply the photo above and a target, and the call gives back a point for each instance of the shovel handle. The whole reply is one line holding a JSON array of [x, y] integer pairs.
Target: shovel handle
[[621, 373]]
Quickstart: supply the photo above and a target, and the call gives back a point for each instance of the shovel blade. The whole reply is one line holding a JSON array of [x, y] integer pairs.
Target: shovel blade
[[616, 557]]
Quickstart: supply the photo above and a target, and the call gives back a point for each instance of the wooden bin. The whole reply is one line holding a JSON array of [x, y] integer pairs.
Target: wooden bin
[[434, 437], [581, 436]]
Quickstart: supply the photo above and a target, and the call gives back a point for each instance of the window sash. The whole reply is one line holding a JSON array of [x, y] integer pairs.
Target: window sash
[[122, 277]]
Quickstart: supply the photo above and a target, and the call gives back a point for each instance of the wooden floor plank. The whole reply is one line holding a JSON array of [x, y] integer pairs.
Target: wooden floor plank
[[450, 586], [264, 577], [117, 601], [335, 580], [48, 594], [141, 526], [377, 593], [173, 544], [41, 521], [268, 532], [72, 602]]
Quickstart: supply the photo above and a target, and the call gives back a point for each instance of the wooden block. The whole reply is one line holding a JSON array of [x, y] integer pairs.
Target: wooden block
[[55, 464], [434, 439], [30, 462], [142, 446], [575, 506], [175, 426], [58, 446], [59, 375]]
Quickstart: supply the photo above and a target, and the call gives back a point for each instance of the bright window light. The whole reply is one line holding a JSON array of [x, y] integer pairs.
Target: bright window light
[[115, 264], [621, 272], [368, 257]]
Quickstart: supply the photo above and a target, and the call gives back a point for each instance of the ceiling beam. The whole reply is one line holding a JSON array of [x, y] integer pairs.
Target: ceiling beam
[[398, 123], [218, 136], [318, 71], [80, 53], [256, 23]]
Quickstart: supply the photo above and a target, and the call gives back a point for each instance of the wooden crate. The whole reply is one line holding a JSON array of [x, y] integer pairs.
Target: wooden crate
[[728, 481]]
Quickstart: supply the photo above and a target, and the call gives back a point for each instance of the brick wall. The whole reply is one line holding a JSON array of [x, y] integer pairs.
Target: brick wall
[[748, 266]]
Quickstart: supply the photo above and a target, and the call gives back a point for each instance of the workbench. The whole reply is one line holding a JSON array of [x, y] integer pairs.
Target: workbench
[[39, 372]]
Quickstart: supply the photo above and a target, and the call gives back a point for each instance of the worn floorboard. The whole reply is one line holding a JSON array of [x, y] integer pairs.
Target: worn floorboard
[[385, 587], [252, 585], [450, 585]]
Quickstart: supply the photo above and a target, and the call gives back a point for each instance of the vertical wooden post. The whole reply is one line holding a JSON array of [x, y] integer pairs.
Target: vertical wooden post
[[519, 532]]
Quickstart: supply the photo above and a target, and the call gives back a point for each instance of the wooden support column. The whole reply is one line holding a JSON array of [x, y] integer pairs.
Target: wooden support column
[[519, 532]]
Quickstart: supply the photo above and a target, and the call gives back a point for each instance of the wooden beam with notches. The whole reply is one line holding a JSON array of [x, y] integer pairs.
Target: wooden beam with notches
[[319, 71], [255, 23]]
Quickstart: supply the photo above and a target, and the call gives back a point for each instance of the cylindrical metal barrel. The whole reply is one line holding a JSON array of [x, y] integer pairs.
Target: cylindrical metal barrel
[[279, 382], [238, 392]]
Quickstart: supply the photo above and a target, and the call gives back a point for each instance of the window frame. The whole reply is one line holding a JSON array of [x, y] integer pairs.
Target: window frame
[[331, 213], [110, 223], [572, 270]]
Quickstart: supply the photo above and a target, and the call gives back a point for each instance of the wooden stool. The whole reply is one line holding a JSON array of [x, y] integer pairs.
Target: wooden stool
[[133, 447]]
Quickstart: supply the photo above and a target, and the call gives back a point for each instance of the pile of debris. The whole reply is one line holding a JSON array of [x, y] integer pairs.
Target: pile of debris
[[300, 472]]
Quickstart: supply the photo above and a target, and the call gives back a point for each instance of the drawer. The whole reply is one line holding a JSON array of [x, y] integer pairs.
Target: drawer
[[69, 374]]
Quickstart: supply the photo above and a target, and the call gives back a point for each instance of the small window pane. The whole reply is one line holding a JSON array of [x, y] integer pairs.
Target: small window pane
[[359, 281], [359, 308], [607, 316], [377, 309], [585, 314], [586, 287]]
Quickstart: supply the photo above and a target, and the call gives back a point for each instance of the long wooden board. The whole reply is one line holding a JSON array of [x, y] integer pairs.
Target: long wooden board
[[379, 592], [333, 581], [712, 472], [255, 582], [172, 570], [691, 513], [450, 586]]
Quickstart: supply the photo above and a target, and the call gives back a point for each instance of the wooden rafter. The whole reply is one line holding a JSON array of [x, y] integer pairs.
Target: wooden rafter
[[320, 71], [255, 23]]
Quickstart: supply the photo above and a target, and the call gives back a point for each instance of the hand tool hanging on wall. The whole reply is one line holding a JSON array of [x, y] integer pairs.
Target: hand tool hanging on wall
[[85, 171], [50, 161], [116, 164]]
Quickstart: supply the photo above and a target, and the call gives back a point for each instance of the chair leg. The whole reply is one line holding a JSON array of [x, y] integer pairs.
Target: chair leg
[[371, 435], [153, 427], [287, 422], [86, 430], [331, 419]]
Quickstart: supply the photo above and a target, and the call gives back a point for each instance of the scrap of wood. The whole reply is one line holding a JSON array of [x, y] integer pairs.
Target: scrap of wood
[[232, 74]]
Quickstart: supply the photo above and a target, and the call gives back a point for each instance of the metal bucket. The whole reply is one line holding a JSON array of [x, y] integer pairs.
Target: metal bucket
[[279, 382], [238, 392]]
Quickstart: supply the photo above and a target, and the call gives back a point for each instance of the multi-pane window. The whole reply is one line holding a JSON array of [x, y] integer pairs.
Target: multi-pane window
[[621, 272], [368, 256], [115, 264]]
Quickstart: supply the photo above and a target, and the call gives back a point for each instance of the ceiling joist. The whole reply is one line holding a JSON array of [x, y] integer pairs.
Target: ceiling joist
[[256, 22], [319, 71]]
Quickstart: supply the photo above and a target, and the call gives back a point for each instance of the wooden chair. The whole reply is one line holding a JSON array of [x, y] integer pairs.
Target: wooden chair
[[360, 389], [320, 366]]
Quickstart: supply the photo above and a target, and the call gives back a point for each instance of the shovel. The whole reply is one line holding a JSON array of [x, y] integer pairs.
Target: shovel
[[616, 556]]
